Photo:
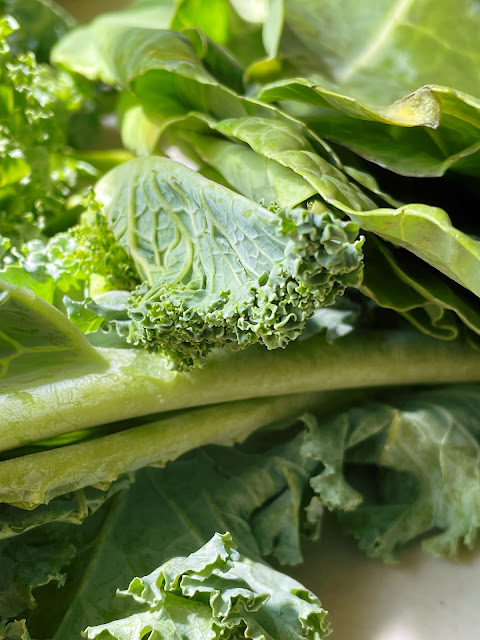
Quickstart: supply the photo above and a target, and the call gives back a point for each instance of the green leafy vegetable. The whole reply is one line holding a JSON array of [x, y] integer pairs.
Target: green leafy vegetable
[[41, 22], [430, 437], [218, 268], [215, 593], [381, 53], [14, 630], [37, 342], [286, 211], [36, 174]]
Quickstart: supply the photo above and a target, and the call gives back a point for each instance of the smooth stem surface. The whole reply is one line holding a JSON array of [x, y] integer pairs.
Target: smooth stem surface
[[138, 383], [32, 479]]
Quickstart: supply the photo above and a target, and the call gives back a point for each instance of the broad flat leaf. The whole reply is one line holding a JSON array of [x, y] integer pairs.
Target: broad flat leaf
[[286, 144], [37, 342], [196, 135], [215, 593], [254, 176], [162, 68], [423, 134], [379, 53], [425, 231], [428, 233], [358, 62]]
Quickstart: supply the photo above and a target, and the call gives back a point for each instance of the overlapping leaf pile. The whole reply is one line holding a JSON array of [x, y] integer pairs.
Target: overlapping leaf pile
[[281, 289]]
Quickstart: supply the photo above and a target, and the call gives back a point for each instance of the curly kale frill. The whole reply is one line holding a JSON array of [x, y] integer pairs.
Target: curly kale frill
[[36, 173], [321, 258], [218, 269]]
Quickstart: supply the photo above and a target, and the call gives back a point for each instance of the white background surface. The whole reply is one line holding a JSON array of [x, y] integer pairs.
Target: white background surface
[[420, 598]]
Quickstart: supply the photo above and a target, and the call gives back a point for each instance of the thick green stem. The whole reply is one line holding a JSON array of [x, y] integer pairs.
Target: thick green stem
[[138, 383], [37, 478]]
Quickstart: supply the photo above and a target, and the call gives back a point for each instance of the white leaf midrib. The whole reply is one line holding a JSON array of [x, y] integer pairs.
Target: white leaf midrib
[[397, 12]]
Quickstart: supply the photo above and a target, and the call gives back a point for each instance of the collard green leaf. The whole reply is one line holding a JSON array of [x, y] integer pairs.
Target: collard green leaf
[[218, 268], [37, 342], [286, 144], [428, 300], [425, 231], [423, 134], [254, 176], [428, 441], [163, 68], [379, 53], [198, 136], [356, 88], [216, 593], [428, 233]]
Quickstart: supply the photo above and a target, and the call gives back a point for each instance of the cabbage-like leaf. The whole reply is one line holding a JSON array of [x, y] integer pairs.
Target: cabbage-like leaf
[[172, 80], [218, 268], [428, 233], [423, 134], [425, 231], [215, 593]]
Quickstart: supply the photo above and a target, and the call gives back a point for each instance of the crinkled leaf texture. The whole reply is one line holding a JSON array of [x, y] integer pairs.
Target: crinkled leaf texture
[[215, 593], [15, 630], [26, 567], [34, 549], [428, 443], [171, 512], [42, 23], [220, 269], [424, 230], [37, 171], [171, 87]]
